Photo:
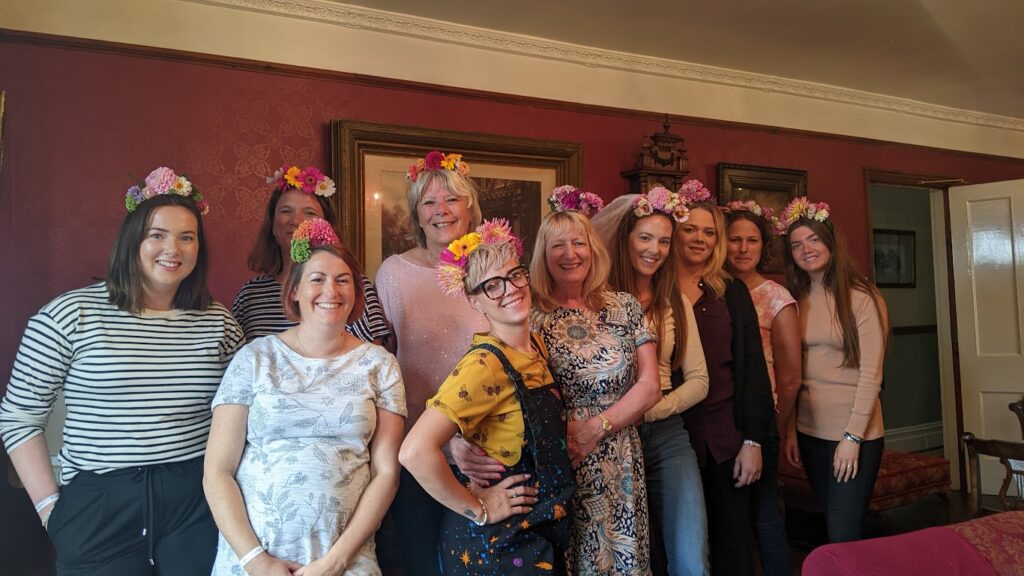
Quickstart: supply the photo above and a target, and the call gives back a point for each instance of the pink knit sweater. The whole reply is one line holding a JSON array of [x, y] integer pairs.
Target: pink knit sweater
[[833, 398]]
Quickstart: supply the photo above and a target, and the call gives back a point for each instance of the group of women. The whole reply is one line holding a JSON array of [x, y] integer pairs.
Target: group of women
[[616, 405]]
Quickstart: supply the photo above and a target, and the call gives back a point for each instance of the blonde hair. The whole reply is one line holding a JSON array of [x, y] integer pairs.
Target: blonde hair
[[714, 274], [453, 182], [595, 285], [484, 258]]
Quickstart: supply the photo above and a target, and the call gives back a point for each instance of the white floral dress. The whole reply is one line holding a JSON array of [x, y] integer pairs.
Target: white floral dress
[[306, 460], [594, 362]]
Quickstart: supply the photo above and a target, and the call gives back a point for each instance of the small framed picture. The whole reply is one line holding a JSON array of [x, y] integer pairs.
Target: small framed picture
[[895, 258]]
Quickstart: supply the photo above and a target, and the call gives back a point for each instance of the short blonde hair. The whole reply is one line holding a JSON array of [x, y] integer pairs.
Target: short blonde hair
[[484, 258], [595, 285], [455, 183]]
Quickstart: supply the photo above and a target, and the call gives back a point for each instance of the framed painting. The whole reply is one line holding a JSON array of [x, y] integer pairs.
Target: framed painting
[[369, 163], [895, 258], [769, 187]]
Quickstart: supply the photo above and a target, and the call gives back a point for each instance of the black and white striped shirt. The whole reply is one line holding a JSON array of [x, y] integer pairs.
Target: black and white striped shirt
[[259, 311], [137, 387]]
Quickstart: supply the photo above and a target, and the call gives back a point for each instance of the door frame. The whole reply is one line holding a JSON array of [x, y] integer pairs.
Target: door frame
[[945, 316]]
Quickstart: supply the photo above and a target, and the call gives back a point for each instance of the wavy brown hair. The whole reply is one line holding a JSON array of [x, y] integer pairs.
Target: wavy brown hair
[[664, 283], [840, 279]]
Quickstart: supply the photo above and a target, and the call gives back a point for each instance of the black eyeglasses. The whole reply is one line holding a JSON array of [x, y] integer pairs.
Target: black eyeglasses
[[496, 287]]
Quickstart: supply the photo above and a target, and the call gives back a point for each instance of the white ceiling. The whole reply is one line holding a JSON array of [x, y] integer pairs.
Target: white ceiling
[[965, 54]]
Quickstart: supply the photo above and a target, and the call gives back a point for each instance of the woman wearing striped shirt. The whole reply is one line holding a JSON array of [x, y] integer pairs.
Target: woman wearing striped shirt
[[298, 196], [138, 358]]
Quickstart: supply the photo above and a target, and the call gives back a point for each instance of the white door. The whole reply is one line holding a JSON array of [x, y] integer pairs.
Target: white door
[[987, 233]]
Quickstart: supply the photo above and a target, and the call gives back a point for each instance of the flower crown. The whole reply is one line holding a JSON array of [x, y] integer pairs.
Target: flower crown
[[311, 180], [163, 180], [435, 160], [694, 192], [799, 208], [451, 268], [309, 235], [572, 199], [752, 207], [662, 200]]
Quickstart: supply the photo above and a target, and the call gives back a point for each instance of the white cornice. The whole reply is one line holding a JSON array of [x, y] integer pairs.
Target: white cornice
[[412, 26]]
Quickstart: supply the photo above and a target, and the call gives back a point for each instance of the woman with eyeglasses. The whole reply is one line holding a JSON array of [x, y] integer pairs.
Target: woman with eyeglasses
[[501, 397]]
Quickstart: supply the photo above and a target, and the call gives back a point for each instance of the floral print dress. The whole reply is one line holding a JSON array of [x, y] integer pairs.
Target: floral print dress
[[307, 457], [593, 359]]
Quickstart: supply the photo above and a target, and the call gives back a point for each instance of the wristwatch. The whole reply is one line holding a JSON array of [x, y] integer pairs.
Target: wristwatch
[[606, 425]]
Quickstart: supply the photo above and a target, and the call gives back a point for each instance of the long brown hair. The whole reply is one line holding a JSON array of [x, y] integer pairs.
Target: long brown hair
[[665, 293], [840, 280]]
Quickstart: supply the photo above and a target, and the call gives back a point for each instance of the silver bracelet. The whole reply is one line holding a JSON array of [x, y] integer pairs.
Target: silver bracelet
[[751, 443], [46, 501], [250, 555], [852, 438]]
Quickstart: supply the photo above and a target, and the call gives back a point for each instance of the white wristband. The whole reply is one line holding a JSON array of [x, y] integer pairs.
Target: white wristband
[[250, 555], [46, 501]]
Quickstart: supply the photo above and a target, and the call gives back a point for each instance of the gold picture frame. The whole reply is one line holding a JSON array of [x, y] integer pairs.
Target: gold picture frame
[[769, 187], [369, 162]]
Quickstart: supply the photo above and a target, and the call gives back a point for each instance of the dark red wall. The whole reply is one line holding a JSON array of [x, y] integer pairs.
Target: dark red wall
[[80, 121]]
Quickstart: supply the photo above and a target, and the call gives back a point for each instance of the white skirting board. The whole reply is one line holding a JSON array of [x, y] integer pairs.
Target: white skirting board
[[917, 438]]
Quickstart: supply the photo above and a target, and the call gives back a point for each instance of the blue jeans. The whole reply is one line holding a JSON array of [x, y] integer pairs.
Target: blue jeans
[[675, 497]]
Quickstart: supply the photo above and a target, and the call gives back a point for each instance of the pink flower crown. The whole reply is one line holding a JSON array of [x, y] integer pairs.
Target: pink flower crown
[[661, 200], [694, 192], [799, 208], [572, 199], [435, 160], [163, 180], [451, 268], [309, 235], [311, 180], [752, 207]]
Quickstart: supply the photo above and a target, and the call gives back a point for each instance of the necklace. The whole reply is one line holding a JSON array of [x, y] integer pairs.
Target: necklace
[[331, 354]]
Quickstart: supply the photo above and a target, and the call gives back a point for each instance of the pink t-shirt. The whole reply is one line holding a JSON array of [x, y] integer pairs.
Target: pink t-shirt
[[769, 299], [433, 330]]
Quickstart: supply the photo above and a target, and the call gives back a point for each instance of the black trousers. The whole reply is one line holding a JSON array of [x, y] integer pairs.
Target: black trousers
[[144, 521], [730, 539], [843, 503], [417, 519], [769, 526]]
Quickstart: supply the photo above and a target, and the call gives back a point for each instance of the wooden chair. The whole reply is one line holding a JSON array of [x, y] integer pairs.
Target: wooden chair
[[1018, 409], [1004, 451]]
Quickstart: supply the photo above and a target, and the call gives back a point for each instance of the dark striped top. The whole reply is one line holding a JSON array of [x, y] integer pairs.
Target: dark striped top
[[137, 387], [259, 311]]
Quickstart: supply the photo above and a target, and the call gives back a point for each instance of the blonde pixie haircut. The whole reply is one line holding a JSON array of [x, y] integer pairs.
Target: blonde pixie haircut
[[595, 285], [714, 274], [484, 258], [455, 183]]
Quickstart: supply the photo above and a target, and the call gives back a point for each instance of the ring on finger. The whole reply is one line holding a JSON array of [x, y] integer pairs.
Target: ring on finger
[[514, 493]]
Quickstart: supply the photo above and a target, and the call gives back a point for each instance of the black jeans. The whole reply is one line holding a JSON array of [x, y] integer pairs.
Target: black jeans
[[135, 522], [843, 503], [769, 526], [728, 507]]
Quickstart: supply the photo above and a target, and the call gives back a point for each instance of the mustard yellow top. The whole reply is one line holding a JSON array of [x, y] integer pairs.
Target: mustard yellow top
[[479, 398]]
